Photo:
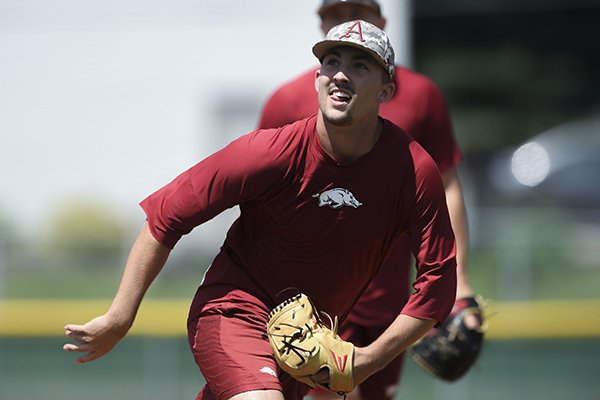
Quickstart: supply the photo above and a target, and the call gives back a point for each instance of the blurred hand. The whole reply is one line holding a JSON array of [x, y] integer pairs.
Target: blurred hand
[[473, 322], [95, 338]]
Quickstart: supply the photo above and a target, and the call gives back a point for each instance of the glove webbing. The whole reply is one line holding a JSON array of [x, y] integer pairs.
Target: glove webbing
[[300, 334]]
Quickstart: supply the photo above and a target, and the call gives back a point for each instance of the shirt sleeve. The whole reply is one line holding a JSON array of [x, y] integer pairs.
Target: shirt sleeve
[[240, 172], [437, 137], [432, 243], [292, 101], [276, 111]]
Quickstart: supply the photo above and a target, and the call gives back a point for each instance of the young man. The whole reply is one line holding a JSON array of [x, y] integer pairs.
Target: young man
[[326, 197], [418, 108]]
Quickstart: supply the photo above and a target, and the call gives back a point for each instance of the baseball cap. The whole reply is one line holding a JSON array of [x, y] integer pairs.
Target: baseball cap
[[362, 35], [327, 4]]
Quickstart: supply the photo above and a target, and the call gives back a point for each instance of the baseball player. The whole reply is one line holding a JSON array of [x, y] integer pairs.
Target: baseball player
[[418, 107], [322, 202]]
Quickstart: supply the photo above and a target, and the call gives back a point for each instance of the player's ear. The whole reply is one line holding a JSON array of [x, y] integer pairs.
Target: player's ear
[[317, 75], [387, 91]]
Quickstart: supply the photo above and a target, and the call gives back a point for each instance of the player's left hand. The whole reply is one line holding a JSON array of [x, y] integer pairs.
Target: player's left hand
[[94, 338], [305, 348]]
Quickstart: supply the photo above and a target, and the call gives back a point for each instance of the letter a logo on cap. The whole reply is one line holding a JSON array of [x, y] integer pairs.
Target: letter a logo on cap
[[352, 31]]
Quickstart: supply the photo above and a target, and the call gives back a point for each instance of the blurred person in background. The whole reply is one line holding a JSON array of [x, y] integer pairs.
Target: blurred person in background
[[419, 108], [293, 233]]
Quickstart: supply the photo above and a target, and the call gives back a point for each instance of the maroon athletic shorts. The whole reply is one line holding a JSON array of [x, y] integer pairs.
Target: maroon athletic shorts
[[233, 354]]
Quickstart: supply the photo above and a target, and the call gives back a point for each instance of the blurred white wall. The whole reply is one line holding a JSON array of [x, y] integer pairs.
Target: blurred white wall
[[111, 99]]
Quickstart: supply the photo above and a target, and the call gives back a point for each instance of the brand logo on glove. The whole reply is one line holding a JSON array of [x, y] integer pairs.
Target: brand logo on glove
[[340, 361]]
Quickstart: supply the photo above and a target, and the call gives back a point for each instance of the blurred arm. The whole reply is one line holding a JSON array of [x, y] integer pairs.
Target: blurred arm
[[458, 218]]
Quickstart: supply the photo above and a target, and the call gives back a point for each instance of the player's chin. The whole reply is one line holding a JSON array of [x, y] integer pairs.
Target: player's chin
[[338, 118]]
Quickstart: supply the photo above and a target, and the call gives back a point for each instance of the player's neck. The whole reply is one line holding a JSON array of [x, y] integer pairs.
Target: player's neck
[[345, 144]]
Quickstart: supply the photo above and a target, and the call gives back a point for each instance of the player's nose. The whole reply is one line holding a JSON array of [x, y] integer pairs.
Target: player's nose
[[340, 76]]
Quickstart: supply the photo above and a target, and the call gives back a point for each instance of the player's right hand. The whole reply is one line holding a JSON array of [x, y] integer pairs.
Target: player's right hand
[[94, 338]]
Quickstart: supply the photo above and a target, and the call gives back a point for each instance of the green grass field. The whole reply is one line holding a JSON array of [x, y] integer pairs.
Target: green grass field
[[145, 368]]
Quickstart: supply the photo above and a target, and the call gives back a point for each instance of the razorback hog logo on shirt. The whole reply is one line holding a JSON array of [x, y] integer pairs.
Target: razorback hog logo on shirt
[[337, 198]]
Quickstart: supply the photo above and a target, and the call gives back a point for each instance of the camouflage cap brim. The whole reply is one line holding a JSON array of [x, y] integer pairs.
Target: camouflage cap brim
[[321, 48], [362, 35]]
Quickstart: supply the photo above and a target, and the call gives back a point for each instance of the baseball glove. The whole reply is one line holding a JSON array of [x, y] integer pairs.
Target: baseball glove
[[450, 350], [303, 345]]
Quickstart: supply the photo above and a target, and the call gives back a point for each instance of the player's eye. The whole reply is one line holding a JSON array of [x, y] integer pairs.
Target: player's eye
[[331, 61]]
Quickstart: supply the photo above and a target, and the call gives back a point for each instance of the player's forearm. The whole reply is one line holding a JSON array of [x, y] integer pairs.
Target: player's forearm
[[146, 259], [403, 332], [458, 218]]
